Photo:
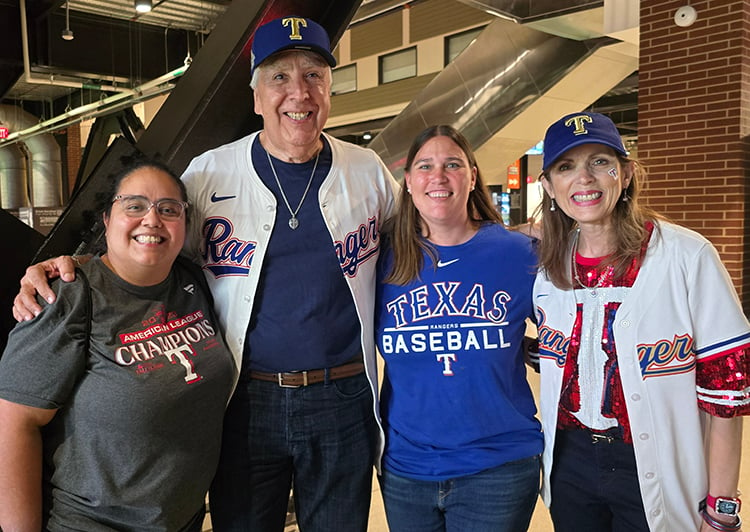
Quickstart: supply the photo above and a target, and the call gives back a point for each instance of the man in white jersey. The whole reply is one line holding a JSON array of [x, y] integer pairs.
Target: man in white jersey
[[286, 229]]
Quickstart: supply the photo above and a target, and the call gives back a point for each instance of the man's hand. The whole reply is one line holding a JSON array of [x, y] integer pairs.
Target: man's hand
[[36, 280]]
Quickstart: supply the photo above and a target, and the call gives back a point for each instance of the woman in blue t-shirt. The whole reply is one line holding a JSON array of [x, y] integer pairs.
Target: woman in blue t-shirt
[[454, 292]]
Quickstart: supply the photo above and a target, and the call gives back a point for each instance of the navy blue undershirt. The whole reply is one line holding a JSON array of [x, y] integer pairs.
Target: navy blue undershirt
[[304, 315]]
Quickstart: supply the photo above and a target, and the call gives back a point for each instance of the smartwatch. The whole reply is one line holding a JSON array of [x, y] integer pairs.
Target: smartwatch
[[729, 506]]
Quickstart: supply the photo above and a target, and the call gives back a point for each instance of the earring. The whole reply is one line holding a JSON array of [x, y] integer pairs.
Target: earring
[[408, 190], [625, 197], [552, 207]]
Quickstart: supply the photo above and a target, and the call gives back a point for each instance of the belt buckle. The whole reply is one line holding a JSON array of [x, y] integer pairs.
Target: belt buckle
[[599, 438], [280, 378]]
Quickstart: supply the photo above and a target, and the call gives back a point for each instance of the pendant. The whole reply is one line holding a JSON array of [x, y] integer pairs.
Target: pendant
[[293, 223]]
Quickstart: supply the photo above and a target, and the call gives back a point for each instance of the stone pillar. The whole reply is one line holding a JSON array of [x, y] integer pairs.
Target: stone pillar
[[694, 120]]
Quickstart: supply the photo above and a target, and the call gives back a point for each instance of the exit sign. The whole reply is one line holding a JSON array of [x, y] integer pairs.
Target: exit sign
[[4, 132]]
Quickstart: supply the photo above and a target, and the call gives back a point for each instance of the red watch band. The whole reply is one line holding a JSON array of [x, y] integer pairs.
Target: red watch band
[[711, 502]]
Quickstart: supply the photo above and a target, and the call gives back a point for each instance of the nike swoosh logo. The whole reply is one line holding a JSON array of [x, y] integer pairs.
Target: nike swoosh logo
[[215, 198], [441, 263]]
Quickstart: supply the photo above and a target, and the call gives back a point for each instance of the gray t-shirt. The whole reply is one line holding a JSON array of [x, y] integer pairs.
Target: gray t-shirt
[[136, 440]]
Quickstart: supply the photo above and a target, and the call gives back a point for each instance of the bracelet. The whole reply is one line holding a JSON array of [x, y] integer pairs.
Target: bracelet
[[75, 260], [721, 527]]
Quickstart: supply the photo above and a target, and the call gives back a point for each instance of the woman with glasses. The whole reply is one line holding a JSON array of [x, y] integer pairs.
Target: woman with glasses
[[111, 400]]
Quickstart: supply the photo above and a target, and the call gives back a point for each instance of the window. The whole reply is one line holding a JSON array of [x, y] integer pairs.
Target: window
[[344, 80], [455, 44], [398, 65]]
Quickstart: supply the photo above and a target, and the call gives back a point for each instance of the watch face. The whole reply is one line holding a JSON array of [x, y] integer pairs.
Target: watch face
[[723, 506]]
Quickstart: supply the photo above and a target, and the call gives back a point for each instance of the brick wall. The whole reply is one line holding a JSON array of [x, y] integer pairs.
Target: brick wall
[[694, 119], [74, 154]]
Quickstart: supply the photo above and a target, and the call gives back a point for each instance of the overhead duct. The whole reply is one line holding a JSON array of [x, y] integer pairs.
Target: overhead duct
[[13, 184], [44, 168], [104, 106]]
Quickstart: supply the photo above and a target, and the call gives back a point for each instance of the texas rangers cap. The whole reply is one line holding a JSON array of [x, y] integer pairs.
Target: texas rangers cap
[[290, 33], [580, 128]]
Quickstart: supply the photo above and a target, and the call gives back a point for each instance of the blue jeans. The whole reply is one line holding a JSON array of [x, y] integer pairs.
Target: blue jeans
[[595, 485], [501, 499], [320, 439]]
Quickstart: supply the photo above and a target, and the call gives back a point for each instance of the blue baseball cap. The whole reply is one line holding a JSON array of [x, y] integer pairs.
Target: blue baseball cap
[[290, 33], [580, 128]]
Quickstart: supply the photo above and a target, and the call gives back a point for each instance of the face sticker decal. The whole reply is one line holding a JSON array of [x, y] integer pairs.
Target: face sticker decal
[[613, 173]]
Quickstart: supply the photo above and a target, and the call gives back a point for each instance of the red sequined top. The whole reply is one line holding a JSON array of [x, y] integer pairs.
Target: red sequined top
[[592, 396]]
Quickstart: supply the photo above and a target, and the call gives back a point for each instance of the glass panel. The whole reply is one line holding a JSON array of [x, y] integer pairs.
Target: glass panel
[[344, 80], [399, 65]]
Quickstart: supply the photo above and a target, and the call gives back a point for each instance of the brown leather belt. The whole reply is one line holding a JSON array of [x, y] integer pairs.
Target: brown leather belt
[[295, 379]]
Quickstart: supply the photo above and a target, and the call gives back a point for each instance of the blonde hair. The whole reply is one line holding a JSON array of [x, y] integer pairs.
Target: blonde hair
[[405, 230]]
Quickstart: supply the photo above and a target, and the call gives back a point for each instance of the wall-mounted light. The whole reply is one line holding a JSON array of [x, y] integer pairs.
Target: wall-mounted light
[[685, 16], [67, 33], [367, 136], [143, 6]]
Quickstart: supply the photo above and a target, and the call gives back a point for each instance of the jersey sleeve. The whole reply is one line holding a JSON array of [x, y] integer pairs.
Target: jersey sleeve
[[721, 338], [723, 385], [45, 357]]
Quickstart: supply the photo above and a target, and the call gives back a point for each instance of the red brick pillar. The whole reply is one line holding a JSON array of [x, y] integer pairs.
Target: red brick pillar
[[694, 120], [74, 154]]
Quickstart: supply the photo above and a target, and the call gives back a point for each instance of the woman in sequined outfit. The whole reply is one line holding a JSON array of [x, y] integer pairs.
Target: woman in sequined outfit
[[643, 350]]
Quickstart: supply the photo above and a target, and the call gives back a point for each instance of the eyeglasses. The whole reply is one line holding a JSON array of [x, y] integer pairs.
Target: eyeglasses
[[138, 206]]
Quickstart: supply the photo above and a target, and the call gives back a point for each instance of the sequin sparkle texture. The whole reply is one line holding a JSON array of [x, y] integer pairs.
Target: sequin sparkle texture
[[592, 338]]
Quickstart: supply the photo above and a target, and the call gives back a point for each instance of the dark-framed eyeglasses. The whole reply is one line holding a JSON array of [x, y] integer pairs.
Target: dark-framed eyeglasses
[[138, 206]]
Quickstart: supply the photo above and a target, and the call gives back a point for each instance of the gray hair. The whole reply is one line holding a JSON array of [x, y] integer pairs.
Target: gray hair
[[272, 59]]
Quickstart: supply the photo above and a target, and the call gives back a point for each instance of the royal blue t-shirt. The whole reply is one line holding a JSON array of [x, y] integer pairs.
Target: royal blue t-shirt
[[304, 315], [455, 399]]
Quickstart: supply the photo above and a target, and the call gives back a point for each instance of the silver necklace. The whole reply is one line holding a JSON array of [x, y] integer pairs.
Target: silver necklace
[[293, 221], [574, 267]]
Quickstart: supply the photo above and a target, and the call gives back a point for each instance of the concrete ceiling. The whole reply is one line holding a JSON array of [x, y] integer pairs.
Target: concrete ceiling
[[123, 33], [192, 15]]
